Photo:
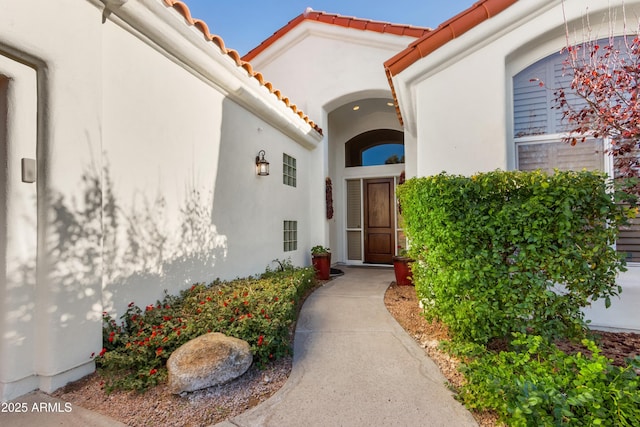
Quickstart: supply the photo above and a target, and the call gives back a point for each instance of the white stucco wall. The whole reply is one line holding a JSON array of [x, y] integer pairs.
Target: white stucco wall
[[466, 85], [176, 134], [322, 66], [451, 135], [145, 137], [458, 100], [56, 319]]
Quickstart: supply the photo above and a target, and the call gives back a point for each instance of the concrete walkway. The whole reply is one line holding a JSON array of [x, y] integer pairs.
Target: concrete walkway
[[353, 365], [38, 409]]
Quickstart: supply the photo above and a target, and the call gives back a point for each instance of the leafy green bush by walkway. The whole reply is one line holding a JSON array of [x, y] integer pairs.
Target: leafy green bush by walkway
[[505, 252], [539, 385], [260, 311]]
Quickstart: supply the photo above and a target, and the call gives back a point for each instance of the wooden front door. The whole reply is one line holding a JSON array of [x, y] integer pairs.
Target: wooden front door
[[379, 222]]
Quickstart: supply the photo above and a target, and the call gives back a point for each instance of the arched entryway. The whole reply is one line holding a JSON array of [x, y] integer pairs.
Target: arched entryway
[[366, 158], [372, 216]]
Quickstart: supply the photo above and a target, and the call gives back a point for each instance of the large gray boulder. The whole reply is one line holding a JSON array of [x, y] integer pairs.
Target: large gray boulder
[[206, 361]]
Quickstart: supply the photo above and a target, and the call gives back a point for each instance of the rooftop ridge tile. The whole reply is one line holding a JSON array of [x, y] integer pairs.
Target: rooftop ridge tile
[[341, 21]]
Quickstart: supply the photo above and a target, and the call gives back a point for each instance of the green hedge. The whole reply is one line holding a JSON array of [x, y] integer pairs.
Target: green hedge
[[539, 385], [505, 252]]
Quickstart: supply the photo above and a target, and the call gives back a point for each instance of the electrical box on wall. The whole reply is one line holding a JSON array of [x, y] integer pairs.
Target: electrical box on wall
[[28, 170]]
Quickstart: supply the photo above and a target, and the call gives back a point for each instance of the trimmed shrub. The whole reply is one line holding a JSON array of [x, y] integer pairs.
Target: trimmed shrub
[[505, 252]]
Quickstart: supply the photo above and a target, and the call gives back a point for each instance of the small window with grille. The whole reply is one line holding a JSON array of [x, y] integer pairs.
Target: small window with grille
[[289, 170], [290, 236]]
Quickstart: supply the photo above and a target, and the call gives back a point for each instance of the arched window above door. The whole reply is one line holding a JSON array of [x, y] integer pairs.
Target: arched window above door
[[375, 147]]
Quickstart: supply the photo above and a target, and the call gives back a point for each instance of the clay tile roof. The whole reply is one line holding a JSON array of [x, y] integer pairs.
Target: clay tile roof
[[183, 9], [447, 31], [342, 21]]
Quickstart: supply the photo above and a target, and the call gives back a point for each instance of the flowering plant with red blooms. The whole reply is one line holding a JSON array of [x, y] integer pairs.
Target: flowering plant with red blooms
[[256, 309]]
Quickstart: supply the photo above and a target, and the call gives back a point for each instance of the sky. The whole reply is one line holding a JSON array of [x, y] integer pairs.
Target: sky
[[244, 24]]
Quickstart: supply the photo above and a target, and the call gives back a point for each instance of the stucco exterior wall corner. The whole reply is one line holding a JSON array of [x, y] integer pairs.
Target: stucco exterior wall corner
[[278, 114], [50, 383], [411, 155], [406, 98]]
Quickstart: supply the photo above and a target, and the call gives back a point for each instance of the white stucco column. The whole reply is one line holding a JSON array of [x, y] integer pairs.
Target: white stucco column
[[68, 297], [18, 230]]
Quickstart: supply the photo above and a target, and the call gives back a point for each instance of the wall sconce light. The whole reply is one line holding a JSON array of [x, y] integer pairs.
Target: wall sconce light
[[262, 166]]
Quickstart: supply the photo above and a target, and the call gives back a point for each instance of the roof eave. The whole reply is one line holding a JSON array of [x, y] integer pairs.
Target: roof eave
[[446, 32], [187, 40]]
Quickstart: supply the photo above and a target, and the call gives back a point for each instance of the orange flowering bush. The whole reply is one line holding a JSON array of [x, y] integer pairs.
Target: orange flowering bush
[[259, 310]]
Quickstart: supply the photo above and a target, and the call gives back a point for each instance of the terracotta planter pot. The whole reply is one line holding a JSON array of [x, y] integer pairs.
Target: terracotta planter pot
[[322, 265], [402, 268]]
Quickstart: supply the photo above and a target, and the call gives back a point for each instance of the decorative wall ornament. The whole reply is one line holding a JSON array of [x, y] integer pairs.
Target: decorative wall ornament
[[401, 180], [329, 197]]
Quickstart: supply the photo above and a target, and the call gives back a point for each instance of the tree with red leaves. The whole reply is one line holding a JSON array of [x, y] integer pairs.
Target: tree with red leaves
[[605, 79]]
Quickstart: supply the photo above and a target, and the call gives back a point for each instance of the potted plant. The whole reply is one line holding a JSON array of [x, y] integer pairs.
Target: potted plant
[[321, 259], [402, 268]]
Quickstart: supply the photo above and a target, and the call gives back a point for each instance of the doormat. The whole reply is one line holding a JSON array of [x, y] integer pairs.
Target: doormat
[[336, 272]]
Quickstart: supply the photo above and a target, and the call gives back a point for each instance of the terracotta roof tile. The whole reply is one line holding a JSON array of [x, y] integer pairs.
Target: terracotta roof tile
[[183, 9], [359, 25], [447, 31], [342, 21]]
